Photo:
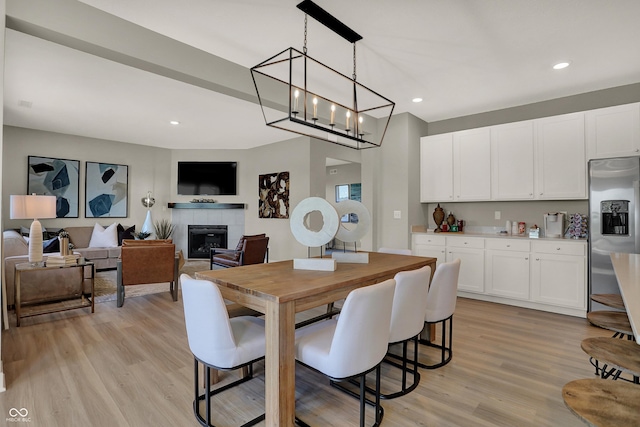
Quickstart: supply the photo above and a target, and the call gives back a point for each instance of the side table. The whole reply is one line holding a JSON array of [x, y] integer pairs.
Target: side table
[[60, 302]]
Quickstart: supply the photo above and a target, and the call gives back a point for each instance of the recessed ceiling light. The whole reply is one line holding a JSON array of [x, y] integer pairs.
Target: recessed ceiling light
[[174, 122], [416, 100], [561, 65]]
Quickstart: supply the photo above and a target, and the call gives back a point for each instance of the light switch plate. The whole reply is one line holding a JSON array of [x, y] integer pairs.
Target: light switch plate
[[497, 214], [397, 214]]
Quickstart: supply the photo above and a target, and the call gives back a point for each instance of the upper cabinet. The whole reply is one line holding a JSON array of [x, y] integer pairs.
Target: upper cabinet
[[613, 131], [436, 168], [512, 155], [561, 171], [472, 165]]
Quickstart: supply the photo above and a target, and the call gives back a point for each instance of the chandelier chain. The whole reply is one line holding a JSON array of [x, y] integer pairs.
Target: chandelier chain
[[354, 61], [304, 46]]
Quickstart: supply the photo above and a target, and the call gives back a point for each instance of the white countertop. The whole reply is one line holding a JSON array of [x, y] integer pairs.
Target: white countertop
[[627, 269], [421, 229]]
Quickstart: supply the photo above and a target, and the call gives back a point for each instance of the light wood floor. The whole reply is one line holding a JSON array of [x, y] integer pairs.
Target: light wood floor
[[132, 367]]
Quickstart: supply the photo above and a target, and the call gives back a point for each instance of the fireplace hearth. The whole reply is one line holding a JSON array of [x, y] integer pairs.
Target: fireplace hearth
[[202, 238]]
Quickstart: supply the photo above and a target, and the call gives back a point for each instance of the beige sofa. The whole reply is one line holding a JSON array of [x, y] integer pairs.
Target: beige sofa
[[103, 258]]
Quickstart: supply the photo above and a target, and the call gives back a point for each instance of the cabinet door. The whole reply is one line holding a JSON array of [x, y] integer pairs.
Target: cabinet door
[[507, 274], [472, 165], [613, 131], [559, 280], [436, 168], [512, 161], [431, 251], [561, 165], [471, 278]]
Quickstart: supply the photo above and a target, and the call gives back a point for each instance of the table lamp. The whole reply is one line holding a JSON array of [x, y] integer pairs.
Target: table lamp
[[33, 207]]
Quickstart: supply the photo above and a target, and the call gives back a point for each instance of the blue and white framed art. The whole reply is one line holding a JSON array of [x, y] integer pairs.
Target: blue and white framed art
[[56, 177], [106, 190]]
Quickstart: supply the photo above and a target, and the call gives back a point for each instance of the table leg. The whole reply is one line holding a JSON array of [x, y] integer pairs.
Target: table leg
[[16, 295], [280, 364]]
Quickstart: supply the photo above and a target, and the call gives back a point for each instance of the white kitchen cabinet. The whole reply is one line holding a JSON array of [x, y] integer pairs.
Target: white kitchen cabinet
[[436, 168], [561, 166], [613, 131], [512, 155], [507, 268], [559, 275], [470, 251], [429, 245], [472, 165]]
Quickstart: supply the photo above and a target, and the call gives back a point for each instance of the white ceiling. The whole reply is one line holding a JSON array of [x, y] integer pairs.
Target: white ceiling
[[461, 56]]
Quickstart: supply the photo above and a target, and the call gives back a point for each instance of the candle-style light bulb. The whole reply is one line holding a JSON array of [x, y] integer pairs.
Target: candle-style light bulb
[[360, 126], [315, 108], [348, 119], [333, 114], [296, 94]]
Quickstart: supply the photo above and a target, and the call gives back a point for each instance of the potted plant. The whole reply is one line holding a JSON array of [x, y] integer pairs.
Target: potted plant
[[163, 229], [141, 235], [63, 240]]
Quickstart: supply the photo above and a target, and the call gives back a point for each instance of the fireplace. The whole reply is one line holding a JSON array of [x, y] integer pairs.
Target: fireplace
[[204, 237]]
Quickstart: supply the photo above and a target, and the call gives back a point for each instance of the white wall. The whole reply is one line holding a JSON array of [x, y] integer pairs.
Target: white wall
[[2, 28], [148, 168]]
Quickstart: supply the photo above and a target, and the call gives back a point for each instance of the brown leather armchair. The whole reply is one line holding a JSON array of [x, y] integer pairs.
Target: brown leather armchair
[[250, 250], [147, 261]]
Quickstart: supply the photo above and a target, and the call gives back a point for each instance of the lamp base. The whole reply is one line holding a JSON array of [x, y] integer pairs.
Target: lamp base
[[147, 227], [35, 242]]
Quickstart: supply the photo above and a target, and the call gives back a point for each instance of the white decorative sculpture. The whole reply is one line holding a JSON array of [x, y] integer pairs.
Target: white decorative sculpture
[[346, 207], [331, 222]]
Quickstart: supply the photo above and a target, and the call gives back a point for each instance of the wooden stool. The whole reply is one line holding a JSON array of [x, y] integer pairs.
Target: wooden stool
[[603, 403], [621, 355], [610, 300], [616, 321]]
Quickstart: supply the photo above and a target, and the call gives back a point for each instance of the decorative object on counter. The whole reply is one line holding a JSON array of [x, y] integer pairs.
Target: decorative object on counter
[[514, 228], [508, 227], [203, 201], [141, 235], [522, 227], [454, 228], [445, 227], [451, 220], [438, 217], [63, 239], [534, 232], [460, 225], [578, 226]]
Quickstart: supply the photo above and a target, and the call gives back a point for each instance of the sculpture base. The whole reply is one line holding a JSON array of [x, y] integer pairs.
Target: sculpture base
[[318, 264], [351, 257]]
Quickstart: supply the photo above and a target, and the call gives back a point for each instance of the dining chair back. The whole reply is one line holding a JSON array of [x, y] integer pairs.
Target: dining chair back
[[441, 303], [354, 343], [217, 341]]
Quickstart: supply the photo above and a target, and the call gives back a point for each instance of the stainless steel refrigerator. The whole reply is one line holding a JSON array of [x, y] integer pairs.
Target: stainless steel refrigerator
[[613, 220]]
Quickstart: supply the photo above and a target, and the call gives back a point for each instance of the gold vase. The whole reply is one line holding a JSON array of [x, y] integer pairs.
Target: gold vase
[[64, 245], [438, 217]]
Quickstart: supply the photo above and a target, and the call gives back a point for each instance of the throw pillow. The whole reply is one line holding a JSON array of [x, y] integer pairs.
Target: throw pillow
[[104, 237], [125, 233], [51, 245]]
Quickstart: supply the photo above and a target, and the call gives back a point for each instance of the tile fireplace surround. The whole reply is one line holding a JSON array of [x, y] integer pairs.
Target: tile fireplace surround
[[185, 214]]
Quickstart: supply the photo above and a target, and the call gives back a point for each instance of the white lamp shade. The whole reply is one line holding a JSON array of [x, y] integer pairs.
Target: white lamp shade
[[32, 207]]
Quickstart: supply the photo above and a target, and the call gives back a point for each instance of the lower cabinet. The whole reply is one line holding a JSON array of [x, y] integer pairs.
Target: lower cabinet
[[471, 254], [547, 275]]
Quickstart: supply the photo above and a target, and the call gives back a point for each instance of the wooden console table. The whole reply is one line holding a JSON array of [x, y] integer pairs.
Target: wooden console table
[[58, 303]]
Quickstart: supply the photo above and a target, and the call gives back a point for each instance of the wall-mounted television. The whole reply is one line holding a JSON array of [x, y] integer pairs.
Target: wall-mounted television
[[207, 178]]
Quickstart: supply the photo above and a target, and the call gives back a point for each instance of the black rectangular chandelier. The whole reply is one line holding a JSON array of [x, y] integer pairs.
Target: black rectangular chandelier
[[302, 95]]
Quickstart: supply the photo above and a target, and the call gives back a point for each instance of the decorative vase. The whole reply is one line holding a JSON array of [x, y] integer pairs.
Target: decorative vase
[[64, 245], [438, 217], [451, 220]]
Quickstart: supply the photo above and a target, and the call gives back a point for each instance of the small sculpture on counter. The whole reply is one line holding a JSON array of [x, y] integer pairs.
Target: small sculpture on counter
[[451, 220], [438, 217]]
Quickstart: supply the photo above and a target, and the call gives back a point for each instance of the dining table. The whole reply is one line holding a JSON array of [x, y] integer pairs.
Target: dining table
[[279, 291]]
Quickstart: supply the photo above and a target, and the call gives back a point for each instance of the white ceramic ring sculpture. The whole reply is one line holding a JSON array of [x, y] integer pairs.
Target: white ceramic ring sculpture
[[330, 219], [364, 220]]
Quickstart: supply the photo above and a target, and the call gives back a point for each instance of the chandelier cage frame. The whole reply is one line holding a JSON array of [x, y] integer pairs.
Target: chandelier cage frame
[[289, 84]]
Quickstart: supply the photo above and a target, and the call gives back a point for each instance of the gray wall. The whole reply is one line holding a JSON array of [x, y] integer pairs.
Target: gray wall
[[346, 174]]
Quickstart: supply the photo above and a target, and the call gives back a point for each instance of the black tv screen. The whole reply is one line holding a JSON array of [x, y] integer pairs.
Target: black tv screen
[[207, 178]]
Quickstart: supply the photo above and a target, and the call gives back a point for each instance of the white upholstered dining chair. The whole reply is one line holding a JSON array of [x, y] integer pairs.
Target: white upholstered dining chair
[[441, 303], [217, 341], [353, 344]]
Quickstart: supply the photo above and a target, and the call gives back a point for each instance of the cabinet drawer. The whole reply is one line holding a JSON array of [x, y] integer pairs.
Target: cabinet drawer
[[429, 239], [507, 245], [563, 248], [465, 242]]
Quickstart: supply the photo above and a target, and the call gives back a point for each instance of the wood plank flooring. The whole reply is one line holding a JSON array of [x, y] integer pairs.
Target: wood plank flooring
[[132, 367]]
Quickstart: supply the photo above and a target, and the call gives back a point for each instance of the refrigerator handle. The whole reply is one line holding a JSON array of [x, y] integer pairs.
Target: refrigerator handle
[[636, 216]]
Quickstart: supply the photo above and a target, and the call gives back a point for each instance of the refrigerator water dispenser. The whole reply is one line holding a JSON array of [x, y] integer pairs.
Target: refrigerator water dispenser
[[615, 217]]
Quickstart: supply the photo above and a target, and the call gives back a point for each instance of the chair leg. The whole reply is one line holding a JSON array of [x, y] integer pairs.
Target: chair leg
[[446, 352]]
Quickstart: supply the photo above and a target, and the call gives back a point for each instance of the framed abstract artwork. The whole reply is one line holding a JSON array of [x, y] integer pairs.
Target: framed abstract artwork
[[273, 192], [56, 177], [106, 190]]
